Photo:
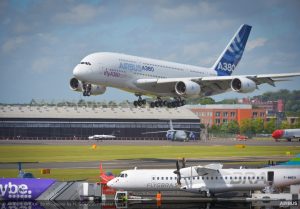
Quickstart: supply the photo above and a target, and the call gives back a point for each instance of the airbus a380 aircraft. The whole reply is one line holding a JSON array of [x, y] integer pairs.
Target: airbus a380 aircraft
[[207, 179], [144, 76]]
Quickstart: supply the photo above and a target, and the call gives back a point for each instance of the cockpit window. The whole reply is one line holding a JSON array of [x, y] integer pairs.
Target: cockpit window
[[85, 63], [123, 175]]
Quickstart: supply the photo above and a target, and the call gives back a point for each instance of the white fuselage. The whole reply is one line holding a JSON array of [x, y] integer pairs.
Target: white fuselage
[[225, 180], [122, 71], [291, 133], [102, 137]]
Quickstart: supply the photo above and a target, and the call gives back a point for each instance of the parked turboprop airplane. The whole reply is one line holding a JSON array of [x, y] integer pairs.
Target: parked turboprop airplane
[[207, 179], [144, 76], [287, 134], [176, 135]]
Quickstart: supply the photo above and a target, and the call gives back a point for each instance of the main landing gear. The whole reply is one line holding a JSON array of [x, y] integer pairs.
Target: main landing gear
[[177, 102], [140, 102], [87, 89]]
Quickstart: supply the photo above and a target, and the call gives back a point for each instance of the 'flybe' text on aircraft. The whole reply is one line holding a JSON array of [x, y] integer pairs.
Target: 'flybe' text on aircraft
[[144, 76]]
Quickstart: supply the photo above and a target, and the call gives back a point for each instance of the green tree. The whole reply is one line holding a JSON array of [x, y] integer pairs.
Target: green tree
[[285, 125], [246, 127], [233, 127], [270, 126], [258, 125]]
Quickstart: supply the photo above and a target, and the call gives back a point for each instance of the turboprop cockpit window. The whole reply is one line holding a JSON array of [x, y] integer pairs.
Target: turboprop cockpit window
[[123, 175]]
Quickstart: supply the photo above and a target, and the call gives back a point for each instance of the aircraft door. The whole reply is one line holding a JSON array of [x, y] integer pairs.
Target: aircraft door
[[271, 177]]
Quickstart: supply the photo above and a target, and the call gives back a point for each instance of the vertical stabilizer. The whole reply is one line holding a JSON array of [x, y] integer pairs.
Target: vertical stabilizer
[[232, 54], [171, 125]]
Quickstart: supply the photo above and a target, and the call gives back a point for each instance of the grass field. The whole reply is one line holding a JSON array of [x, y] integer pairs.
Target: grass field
[[47, 153]]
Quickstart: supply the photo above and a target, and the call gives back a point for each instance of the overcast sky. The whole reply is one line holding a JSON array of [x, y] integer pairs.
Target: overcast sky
[[42, 41]]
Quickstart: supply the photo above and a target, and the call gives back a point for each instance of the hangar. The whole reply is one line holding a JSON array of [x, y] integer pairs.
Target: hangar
[[52, 122]]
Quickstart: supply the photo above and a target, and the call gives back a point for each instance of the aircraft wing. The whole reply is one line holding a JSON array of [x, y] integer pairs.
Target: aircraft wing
[[155, 132], [200, 170], [208, 169], [212, 84]]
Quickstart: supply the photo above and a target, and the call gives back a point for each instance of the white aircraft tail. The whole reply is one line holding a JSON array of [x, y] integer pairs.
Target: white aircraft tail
[[232, 54]]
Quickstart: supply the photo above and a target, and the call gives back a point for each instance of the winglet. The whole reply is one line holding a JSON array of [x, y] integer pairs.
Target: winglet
[[232, 54]]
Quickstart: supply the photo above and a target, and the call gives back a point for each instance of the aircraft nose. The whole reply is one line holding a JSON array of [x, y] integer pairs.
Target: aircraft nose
[[277, 134], [78, 72], [110, 183]]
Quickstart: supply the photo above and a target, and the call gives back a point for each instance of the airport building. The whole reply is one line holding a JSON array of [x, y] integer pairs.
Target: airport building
[[217, 114], [51, 122]]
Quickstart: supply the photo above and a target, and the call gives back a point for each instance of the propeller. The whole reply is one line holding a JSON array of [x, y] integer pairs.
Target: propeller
[[183, 162], [177, 172]]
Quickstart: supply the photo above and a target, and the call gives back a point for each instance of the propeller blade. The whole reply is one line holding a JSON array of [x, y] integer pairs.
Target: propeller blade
[[183, 162], [178, 173]]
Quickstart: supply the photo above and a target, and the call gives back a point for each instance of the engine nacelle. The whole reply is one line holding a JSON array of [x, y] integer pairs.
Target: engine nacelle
[[243, 85], [187, 88], [92, 89], [75, 84]]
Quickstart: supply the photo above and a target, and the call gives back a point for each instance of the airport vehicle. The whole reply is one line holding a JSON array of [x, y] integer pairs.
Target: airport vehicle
[[102, 136], [208, 179], [144, 76], [287, 134], [176, 135]]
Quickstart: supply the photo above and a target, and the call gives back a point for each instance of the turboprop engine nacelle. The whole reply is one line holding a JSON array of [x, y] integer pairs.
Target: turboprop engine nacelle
[[77, 85], [243, 85], [187, 88]]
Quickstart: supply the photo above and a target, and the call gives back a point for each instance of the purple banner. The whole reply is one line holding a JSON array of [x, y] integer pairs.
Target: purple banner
[[23, 189]]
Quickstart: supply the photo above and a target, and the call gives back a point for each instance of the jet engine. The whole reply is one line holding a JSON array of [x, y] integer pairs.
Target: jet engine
[[243, 85], [87, 89], [187, 88]]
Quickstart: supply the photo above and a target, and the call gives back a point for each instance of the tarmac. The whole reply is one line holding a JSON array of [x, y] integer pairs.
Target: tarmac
[[212, 142]]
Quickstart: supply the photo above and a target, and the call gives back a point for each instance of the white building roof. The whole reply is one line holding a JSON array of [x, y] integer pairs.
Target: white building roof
[[220, 106], [65, 112]]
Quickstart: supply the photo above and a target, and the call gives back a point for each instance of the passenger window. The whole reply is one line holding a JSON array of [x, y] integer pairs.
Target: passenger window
[[171, 178], [162, 178], [153, 178], [166, 178], [157, 178]]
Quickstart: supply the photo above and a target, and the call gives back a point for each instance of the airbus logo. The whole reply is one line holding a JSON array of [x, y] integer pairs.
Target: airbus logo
[[15, 191]]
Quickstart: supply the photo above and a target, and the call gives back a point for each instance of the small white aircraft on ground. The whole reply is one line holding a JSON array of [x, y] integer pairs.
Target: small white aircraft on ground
[[176, 135], [208, 179], [96, 137]]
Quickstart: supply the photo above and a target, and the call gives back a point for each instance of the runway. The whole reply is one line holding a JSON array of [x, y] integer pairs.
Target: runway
[[229, 162]]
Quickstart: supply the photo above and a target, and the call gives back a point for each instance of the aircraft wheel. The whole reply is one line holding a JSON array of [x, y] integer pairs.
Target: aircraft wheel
[[144, 101], [152, 104], [140, 103], [169, 104], [165, 103], [156, 104], [182, 102], [135, 103]]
